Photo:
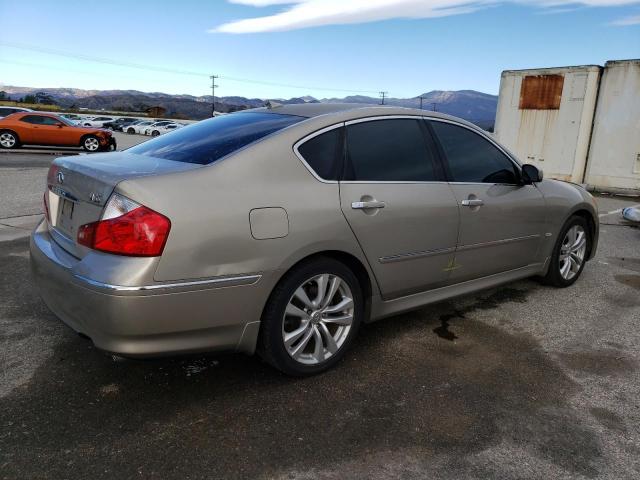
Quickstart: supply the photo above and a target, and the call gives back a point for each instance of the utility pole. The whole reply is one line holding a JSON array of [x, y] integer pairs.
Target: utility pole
[[421, 99], [433, 105], [213, 94], [383, 95]]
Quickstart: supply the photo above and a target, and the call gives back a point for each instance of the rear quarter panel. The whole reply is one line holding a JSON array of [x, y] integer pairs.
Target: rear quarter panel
[[209, 208]]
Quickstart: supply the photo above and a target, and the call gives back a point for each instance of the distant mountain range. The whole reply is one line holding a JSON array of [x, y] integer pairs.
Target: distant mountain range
[[477, 107]]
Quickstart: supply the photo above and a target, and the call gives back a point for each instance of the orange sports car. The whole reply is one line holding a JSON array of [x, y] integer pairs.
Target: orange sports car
[[34, 128]]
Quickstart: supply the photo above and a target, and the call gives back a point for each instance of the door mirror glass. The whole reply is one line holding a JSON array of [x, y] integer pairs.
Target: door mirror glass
[[531, 174]]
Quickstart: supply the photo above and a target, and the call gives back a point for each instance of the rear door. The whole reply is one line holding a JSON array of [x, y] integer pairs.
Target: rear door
[[501, 220], [403, 214]]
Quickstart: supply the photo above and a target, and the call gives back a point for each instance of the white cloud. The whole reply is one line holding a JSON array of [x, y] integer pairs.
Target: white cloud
[[626, 21], [313, 13]]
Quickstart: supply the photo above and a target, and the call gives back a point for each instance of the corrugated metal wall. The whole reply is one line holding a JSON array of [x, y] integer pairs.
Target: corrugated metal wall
[[614, 156], [548, 117], [544, 116]]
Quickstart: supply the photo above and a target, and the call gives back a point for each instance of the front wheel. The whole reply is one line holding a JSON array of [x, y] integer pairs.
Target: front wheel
[[311, 318], [9, 140], [155, 133], [570, 253], [91, 143]]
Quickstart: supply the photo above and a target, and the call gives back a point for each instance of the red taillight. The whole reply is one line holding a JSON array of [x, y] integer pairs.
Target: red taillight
[[46, 207], [140, 232]]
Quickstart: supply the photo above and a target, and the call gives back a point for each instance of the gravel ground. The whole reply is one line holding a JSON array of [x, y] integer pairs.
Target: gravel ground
[[522, 381]]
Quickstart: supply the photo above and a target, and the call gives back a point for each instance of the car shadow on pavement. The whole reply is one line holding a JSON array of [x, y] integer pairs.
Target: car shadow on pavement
[[403, 390]]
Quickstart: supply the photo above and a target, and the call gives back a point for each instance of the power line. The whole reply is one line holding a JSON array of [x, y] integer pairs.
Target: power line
[[108, 61]]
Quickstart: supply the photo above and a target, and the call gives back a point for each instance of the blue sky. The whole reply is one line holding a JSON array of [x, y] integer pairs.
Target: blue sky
[[318, 44]]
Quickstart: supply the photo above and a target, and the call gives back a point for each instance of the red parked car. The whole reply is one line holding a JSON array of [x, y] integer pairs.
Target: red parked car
[[34, 128]]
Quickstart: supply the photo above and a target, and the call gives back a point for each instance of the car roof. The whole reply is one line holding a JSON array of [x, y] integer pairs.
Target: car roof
[[349, 111]]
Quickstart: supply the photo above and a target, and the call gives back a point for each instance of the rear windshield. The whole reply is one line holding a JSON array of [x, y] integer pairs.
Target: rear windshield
[[209, 140]]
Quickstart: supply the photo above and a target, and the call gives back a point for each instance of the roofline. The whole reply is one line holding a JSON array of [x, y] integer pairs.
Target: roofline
[[565, 67]]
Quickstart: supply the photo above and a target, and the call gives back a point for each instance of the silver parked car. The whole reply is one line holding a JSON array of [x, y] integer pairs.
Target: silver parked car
[[283, 229]]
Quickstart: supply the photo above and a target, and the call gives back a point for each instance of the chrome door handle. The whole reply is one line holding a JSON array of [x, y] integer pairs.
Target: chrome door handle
[[369, 204], [475, 202]]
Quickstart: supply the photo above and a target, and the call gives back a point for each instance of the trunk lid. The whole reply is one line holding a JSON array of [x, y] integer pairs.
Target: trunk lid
[[78, 188]]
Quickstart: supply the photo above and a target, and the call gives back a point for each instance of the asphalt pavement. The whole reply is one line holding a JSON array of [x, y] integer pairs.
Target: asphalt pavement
[[519, 382]]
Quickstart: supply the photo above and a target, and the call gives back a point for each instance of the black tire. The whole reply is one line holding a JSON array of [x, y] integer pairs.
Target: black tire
[[271, 345], [553, 276], [130, 131], [9, 139], [155, 133], [90, 143]]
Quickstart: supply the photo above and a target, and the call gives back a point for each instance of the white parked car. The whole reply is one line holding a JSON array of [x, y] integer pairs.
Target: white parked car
[[5, 111], [157, 124], [161, 129], [139, 126], [96, 121]]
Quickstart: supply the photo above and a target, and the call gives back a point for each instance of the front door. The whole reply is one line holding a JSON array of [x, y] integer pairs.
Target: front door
[[402, 213], [501, 220]]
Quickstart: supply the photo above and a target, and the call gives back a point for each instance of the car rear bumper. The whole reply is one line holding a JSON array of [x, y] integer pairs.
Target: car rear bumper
[[220, 314]]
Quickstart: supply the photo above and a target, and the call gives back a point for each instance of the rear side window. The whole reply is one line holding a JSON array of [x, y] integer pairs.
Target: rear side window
[[472, 158], [210, 140], [388, 150], [323, 153]]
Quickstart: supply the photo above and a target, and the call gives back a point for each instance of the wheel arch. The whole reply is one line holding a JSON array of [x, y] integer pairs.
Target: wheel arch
[[9, 130], [351, 261], [592, 223]]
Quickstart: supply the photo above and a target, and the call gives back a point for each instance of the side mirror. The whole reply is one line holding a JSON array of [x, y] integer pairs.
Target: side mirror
[[531, 174]]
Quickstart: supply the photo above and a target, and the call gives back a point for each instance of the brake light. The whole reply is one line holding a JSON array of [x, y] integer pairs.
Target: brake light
[[126, 228]]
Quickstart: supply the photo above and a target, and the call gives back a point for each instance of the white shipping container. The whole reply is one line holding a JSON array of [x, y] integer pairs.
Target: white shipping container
[[545, 116], [614, 156]]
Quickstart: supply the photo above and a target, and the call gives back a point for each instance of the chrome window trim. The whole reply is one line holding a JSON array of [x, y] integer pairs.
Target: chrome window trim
[[218, 282], [308, 137], [383, 117]]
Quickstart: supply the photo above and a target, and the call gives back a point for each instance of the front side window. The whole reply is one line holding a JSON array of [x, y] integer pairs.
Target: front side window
[[49, 121], [323, 152], [472, 158], [391, 150], [210, 140]]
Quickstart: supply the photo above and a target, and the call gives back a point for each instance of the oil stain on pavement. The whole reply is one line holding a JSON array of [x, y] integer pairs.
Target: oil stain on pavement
[[402, 388]]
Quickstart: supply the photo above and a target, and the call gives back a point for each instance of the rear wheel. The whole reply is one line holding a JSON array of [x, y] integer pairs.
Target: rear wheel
[[130, 131], [311, 318], [9, 140], [155, 133], [91, 143], [570, 253]]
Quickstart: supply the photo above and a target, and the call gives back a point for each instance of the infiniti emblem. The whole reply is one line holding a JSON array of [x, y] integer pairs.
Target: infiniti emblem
[[60, 177]]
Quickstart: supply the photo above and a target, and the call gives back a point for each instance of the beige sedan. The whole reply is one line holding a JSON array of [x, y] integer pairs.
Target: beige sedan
[[283, 229]]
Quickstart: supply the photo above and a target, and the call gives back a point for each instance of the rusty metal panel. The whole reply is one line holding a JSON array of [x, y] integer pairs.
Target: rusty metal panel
[[541, 92]]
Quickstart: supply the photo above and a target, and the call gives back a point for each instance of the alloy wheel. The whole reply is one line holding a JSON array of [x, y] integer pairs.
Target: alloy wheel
[[318, 319], [572, 252], [7, 140], [92, 144]]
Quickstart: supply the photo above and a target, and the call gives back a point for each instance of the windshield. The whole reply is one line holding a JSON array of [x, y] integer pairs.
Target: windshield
[[66, 121], [209, 140]]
